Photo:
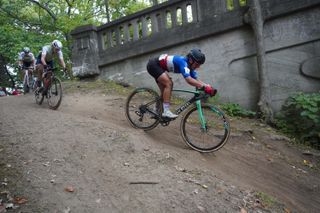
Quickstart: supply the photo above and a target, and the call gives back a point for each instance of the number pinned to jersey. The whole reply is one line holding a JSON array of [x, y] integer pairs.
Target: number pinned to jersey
[[187, 70]]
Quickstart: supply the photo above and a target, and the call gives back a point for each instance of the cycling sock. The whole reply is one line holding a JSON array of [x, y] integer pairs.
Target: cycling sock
[[166, 106]]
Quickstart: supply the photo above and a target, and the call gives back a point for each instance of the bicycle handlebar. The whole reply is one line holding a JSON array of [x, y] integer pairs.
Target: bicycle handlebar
[[46, 69]]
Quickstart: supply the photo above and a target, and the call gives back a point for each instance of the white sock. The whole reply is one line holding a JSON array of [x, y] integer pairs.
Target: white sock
[[166, 106]]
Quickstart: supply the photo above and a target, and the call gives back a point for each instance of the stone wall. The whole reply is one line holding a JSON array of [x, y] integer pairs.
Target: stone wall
[[120, 50]]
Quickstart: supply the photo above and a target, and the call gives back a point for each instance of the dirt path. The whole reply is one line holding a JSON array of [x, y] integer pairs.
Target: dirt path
[[87, 147]]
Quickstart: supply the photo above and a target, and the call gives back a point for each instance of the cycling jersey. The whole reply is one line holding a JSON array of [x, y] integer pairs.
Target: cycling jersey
[[177, 64], [26, 58], [48, 50]]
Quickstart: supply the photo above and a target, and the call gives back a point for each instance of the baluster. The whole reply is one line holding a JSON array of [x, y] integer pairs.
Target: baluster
[[135, 30], [144, 27]]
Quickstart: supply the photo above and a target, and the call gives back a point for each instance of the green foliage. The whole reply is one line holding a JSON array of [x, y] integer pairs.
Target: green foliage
[[120, 8], [233, 109], [230, 3], [37, 23], [266, 199], [300, 118]]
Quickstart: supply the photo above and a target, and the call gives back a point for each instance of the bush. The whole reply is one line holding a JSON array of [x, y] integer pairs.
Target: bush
[[236, 110], [300, 118]]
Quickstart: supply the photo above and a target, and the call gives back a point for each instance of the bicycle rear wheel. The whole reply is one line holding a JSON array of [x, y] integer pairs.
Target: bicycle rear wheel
[[54, 94], [210, 138], [25, 88], [143, 107]]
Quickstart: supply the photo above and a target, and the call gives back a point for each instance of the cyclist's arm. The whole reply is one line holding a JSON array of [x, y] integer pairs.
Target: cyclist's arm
[[190, 76], [62, 63], [43, 58], [194, 82], [33, 60], [20, 62]]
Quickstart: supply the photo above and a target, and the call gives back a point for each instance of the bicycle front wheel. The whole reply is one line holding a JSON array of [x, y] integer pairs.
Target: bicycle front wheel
[[54, 94], [143, 107], [38, 96], [26, 83], [207, 135]]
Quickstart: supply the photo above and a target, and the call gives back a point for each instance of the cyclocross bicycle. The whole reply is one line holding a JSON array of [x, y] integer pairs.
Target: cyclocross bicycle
[[54, 91], [204, 127], [27, 79]]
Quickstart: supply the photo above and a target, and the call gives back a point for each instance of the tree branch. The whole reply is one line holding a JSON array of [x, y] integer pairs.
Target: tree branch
[[45, 8]]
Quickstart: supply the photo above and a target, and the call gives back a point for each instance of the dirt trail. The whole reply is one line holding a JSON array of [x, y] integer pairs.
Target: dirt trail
[[88, 146]]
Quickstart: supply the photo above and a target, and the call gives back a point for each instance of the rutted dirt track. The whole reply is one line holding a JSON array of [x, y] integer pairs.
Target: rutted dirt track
[[85, 157]]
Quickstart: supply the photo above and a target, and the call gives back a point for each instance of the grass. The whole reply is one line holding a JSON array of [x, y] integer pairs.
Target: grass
[[109, 87], [266, 200]]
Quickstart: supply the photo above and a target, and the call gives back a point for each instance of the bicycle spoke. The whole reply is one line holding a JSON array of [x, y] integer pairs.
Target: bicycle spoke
[[207, 137], [38, 96], [141, 108], [54, 94]]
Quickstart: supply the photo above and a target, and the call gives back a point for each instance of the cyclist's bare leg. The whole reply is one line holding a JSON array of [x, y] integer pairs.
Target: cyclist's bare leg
[[46, 81], [23, 74], [165, 84], [161, 87], [39, 70]]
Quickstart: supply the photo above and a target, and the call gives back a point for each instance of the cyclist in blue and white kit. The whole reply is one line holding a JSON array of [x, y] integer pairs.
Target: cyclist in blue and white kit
[[186, 65]]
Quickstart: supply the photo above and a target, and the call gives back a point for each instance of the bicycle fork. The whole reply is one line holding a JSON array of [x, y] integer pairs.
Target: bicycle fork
[[201, 116], [26, 77]]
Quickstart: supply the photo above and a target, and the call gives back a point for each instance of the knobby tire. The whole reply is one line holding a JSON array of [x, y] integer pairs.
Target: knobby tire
[[209, 139], [139, 107], [54, 94]]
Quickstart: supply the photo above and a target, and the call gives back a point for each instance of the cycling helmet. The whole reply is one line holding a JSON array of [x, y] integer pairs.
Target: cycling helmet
[[57, 44], [197, 56], [26, 50]]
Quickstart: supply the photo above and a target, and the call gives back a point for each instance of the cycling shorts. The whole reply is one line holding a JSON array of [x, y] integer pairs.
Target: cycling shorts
[[26, 65], [154, 68]]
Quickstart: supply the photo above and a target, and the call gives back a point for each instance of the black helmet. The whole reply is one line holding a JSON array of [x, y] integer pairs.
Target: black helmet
[[26, 50], [197, 56]]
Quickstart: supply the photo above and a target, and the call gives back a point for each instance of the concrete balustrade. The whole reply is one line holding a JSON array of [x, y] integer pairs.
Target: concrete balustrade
[[119, 50]]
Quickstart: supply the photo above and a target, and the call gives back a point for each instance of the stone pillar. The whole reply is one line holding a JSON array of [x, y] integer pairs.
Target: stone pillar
[[85, 51]]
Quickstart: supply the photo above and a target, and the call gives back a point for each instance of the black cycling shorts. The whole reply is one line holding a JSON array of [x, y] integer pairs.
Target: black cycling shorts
[[154, 68], [26, 65]]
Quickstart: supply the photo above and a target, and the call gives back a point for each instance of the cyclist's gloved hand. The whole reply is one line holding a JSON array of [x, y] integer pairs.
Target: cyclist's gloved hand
[[208, 89], [65, 73]]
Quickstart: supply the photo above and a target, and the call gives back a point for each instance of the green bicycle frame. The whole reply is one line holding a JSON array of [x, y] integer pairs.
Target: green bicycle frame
[[189, 102]]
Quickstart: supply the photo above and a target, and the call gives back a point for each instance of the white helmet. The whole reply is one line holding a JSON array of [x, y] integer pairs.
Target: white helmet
[[57, 44], [26, 50]]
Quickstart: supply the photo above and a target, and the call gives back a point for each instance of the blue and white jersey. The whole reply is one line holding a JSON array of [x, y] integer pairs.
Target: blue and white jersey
[[177, 64]]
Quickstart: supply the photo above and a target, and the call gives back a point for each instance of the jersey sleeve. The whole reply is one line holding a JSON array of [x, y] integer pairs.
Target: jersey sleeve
[[33, 58], [194, 74], [44, 50], [60, 54], [20, 56]]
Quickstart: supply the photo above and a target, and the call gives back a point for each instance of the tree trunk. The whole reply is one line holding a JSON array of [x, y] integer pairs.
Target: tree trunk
[[264, 110], [107, 10], [4, 74]]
